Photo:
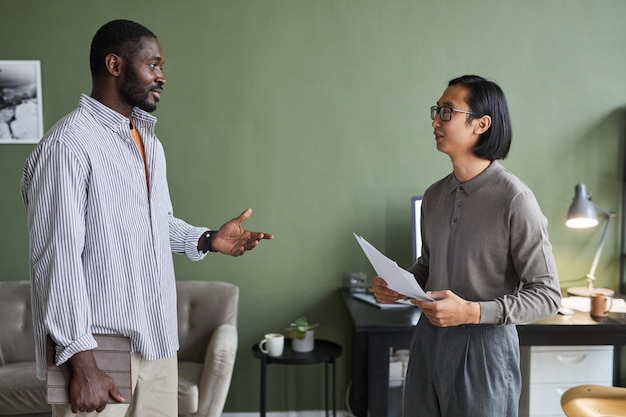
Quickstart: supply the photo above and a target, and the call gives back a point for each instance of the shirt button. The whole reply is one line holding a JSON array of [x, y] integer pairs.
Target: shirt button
[[454, 220], [459, 204]]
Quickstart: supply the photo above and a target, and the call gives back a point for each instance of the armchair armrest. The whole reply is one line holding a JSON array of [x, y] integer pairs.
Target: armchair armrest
[[217, 371]]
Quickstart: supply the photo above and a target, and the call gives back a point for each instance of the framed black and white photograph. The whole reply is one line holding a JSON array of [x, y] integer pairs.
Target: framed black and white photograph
[[21, 116]]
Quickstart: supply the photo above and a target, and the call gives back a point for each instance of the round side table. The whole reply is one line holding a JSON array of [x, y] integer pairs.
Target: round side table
[[325, 352]]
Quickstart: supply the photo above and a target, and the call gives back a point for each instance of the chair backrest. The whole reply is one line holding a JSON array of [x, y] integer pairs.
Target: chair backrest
[[202, 307], [17, 341]]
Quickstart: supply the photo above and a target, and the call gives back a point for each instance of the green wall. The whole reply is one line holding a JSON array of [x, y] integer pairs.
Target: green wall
[[316, 114]]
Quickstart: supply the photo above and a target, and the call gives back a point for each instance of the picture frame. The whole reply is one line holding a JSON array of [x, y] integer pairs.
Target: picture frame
[[21, 115]]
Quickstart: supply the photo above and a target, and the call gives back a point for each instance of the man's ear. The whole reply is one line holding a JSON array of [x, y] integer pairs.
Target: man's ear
[[482, 124], [113, 64]]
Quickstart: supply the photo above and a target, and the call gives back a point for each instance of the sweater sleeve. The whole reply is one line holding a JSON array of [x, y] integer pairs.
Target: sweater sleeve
[[538, 295]]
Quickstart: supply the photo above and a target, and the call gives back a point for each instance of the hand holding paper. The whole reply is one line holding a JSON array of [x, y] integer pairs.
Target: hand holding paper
[[397, 279]]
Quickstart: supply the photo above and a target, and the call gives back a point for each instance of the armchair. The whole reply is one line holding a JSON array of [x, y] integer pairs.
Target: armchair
[[207, 320], [594, 401]]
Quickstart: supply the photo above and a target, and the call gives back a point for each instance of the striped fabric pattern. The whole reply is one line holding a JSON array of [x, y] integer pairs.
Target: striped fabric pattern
[[101, 242]]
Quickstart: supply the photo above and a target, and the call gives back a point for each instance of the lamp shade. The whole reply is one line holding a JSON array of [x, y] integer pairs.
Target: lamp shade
[[584, 213], [581, 213]]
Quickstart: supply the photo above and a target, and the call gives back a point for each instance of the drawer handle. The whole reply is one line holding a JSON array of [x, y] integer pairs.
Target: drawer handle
[[571, 358]]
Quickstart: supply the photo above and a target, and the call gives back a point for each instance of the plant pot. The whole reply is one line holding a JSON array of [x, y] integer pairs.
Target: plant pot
[[304, 345]]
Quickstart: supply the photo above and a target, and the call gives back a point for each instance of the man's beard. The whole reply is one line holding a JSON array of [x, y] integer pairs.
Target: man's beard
[[136, 95]]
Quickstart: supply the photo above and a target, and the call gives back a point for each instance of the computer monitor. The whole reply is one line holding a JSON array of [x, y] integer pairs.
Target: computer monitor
[[416, 209]]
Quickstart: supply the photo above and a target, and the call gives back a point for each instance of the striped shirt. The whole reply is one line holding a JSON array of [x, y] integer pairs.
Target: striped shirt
[[101, 242]]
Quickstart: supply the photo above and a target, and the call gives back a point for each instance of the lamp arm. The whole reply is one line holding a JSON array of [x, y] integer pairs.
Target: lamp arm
[[610, 215]]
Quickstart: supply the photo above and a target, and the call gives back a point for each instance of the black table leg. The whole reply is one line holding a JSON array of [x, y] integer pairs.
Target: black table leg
[[334, 389], [330, 391], [263, 385], [359, 392], [326, 393], [378, 364]]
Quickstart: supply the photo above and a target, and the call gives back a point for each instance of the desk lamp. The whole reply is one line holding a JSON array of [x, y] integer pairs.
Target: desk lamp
[[582, 214]]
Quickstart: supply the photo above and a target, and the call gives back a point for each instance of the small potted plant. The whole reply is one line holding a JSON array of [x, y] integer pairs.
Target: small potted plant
[[302, 335]]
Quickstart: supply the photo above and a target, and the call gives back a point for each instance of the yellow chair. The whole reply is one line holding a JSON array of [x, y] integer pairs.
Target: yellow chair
[[594, 401]]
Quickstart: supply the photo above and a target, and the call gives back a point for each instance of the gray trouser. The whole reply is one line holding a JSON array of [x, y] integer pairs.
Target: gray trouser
[[468, 370]]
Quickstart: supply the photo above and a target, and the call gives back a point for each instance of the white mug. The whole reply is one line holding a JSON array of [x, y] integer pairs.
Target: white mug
[[273, 344]]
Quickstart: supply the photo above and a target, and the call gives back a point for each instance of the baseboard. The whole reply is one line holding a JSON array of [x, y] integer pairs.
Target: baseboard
[[313, 413]]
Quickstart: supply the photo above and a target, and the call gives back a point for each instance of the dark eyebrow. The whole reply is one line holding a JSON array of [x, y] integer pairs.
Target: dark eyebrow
[[155, 58]]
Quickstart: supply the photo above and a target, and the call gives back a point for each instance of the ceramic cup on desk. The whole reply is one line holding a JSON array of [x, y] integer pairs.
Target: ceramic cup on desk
[[600, 304], [272, 344]]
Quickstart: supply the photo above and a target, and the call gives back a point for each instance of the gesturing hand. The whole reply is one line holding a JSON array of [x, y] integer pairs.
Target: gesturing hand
[[233, 239]]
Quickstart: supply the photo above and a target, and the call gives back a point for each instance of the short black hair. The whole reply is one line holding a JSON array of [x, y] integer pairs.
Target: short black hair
[[487, 98], [120, 37]]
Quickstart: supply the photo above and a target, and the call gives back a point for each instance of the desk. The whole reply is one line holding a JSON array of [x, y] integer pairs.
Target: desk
[[324, 352], [377, 330]]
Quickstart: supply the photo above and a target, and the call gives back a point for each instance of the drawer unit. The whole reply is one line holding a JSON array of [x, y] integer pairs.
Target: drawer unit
[[553, 369]]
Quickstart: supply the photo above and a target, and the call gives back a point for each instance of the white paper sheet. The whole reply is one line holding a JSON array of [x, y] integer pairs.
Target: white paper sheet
[[398, 279], [584, 304]]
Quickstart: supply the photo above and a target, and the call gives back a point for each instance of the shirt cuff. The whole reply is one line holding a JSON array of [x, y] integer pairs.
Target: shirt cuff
[[191, 244], [86, 342], [489, 312]]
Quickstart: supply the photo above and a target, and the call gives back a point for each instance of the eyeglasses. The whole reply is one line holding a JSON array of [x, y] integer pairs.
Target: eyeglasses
[[445, 112]]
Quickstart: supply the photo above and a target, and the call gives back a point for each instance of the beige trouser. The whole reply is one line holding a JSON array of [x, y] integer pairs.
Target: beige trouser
[[155, 392]]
